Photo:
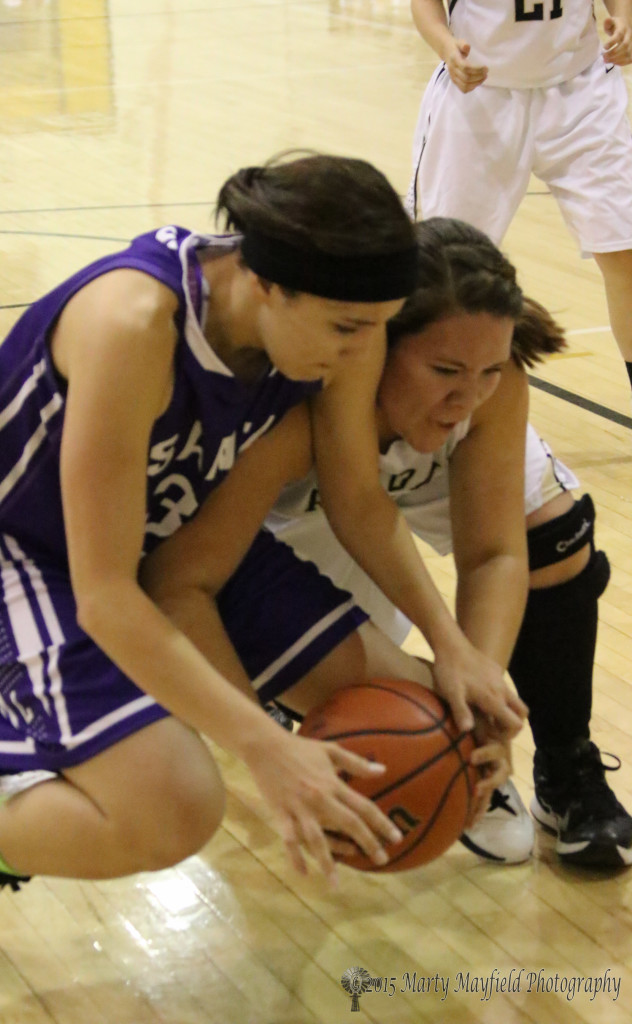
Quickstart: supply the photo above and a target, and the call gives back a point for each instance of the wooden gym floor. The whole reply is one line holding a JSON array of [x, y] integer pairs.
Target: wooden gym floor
[[119, 117]]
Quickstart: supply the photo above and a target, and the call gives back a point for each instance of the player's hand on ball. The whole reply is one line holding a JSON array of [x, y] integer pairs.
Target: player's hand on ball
[[301, 781], [429, 784], [492, 759], [469, 679]]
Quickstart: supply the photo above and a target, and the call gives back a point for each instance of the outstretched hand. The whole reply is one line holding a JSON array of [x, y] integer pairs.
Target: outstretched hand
[[300, 779]]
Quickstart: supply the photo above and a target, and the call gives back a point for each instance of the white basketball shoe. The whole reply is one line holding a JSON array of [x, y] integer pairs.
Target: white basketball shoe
[[505, 834]]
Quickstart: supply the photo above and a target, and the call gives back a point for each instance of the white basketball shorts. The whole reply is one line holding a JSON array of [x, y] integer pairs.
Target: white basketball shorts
[[473, 154]]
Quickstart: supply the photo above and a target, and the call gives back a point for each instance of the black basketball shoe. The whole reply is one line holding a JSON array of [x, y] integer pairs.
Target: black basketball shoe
[[13, 882], [574, 802], [280, 715]]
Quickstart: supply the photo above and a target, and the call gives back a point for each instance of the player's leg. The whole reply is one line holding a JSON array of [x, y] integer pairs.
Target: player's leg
[[365, 654], [130, 787], [585, 157], [147, 802], [552, 668], [298, 636], [471, 155], [616, 268]]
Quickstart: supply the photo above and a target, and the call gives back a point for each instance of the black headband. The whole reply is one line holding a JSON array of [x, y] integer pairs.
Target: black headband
[[346, 278]]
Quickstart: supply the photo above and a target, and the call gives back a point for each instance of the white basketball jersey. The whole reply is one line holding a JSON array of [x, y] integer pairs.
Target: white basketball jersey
[[419, 483], [527, 43], [414, 480]]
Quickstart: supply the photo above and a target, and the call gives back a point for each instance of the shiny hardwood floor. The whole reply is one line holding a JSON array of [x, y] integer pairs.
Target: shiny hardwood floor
[[119, 117]]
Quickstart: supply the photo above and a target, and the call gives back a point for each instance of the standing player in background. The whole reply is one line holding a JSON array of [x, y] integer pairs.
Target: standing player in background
[[527, 87], [126, 394]]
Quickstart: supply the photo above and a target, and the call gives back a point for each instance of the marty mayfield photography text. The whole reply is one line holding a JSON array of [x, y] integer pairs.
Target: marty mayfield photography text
[[485, 986]]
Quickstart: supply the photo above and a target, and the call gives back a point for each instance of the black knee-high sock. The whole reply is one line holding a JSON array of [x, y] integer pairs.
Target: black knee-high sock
[[552, 662]]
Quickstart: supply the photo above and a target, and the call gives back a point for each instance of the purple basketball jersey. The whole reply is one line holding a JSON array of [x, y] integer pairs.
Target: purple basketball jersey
[[212, 415], [61, 699]]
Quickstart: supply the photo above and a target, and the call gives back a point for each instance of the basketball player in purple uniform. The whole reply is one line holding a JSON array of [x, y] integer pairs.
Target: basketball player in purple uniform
[[527, 87], [451, 419], [126, 395]]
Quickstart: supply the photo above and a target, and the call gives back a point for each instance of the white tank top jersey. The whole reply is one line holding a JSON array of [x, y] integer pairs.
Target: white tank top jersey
[[419, 484], [527, 44], [416, 481]]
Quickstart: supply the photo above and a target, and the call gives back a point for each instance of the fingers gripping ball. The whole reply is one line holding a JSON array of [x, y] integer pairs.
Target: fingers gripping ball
[[428, 787]]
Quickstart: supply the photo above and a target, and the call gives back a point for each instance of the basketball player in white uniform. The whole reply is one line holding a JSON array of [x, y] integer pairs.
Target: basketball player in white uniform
[[420, 483], [452, 423], [454, 496], [527, 87]]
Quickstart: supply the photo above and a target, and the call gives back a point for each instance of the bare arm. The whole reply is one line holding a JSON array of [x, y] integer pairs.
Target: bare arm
[[184, 574], [488, 519], [115, 344], [375, 533], [431, 21]]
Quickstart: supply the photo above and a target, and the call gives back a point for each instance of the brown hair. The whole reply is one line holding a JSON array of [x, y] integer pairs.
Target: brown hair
[[536, 334], [461, 270], [339, 205]]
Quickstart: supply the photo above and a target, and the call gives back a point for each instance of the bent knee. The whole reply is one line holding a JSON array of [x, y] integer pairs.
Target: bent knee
[[191, 815], [159, 795], [175, 821]]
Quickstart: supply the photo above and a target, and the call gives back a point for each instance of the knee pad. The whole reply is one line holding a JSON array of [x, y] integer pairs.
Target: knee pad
[[555, 540], [552, 662], [596, 574], [587, 586]]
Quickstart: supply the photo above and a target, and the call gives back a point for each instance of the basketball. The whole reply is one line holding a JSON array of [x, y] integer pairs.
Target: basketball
[[428, 785]]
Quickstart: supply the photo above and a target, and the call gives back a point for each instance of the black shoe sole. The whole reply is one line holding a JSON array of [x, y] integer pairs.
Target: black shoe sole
[[595, 856], [479, 851], [13, 882]]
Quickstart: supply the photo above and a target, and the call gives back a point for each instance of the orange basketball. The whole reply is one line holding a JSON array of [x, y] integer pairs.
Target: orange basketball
[[428, 785]]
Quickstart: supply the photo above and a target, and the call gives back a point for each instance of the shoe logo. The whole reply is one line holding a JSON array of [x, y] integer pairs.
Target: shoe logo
[[501, 800]]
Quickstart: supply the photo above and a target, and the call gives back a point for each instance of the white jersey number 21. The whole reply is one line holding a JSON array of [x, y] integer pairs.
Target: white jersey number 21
[[536, 13]]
